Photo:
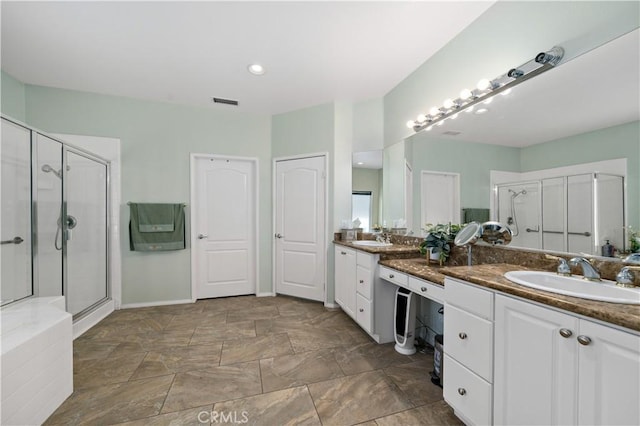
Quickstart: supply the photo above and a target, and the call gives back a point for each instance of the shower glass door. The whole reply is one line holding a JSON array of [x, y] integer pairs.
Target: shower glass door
[[15, 250], [85, 231]]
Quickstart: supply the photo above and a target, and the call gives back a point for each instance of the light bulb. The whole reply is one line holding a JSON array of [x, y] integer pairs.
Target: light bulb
[[256, 69], [434, 112], [465, 94], [410, 124], [484, 84], [448, 103], [421, 118]]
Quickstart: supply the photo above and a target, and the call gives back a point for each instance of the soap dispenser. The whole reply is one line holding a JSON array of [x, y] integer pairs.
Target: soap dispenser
[[607, 250]]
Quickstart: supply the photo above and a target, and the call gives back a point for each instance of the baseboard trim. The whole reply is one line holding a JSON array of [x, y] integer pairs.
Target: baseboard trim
[[158, 303], [265, 294], [331, 305]]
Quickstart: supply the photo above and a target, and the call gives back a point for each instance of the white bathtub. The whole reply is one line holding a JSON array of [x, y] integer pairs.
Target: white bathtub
[[36, 359]]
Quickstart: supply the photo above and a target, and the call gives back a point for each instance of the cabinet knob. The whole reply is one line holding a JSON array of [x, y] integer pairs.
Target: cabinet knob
[[565, 332], [361, 310], [361, 281], [343, 252], [391, 275], [462, 391], [462, 335], [584, 340], [423, 289]]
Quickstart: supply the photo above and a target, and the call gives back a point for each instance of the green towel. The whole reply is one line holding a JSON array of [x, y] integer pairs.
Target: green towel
[[156, 217], [475, 215], [156, 240]]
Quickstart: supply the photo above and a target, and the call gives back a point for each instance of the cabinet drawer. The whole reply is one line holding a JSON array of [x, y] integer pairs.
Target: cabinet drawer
[[364, 259], [394, 276], [363, 281], [426, 289], [469, 339], [468, 394], [469, 298], [363, 313]]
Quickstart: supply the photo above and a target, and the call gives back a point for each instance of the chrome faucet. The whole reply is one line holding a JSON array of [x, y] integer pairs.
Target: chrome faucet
[[563, 267], [633, 258], [625, 277], [588, 270]]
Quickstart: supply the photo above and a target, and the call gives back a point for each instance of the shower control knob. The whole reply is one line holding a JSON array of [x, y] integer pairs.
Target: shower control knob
[[391, 275], [462, 391], [202, 236], [423, 289], [361, 281], [462, 335], [361, 310]]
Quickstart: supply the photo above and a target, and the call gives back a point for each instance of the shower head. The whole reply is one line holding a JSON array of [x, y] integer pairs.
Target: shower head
[[47, 168]]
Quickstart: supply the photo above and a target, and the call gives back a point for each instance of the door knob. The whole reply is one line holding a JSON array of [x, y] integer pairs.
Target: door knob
[[15, 240], [202, 236]]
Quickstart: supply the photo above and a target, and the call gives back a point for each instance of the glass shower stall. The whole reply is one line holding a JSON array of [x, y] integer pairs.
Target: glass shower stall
[[55, 199]]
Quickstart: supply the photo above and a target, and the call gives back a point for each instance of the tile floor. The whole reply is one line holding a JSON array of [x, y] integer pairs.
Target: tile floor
[[245, 360]]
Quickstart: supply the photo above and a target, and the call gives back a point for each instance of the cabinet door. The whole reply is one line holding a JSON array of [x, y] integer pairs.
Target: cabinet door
[[364, 312], [609, 379], [345, 279], [535, 366]]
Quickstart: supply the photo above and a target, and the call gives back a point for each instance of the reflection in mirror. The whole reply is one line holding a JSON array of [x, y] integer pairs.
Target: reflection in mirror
[[367, 188], [547, 128]]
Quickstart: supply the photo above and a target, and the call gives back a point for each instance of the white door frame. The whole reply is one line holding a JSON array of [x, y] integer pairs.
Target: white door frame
[[327, 184], [192, 180]]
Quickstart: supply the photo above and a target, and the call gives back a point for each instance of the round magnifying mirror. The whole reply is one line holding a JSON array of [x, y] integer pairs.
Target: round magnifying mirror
[[468, 235], [496, 233]]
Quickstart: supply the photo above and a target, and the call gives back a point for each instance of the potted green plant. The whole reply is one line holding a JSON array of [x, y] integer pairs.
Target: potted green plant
[[438, 241]]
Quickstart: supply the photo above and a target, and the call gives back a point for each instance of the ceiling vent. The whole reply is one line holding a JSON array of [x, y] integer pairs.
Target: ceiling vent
[[225, 101], [451, 133]]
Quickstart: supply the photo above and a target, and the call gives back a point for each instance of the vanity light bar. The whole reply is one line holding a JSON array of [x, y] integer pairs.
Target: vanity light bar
[[486, 89]]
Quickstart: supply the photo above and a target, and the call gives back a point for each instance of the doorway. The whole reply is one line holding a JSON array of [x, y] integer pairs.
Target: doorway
[[224, 258], [300, 227]]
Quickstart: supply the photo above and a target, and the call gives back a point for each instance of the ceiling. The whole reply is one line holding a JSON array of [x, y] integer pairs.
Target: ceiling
[[189, 52], [598, 89]]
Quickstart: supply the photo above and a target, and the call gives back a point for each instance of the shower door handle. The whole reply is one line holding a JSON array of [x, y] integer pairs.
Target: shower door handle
[[15, 240]]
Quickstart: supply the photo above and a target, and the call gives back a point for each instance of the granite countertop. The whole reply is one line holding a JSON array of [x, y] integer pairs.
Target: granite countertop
[[492, 276], [393, 249]]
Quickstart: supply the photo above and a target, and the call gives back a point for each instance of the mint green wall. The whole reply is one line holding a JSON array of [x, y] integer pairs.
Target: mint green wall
[[12, 93], [156, 139], [621, 141], [368, 125], [508, 34]]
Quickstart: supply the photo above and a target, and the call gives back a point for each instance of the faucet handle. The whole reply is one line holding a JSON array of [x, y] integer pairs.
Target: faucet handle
[[625, 278], [563, 268]]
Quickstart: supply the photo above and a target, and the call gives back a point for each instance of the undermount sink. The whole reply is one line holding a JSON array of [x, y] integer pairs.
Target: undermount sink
[[604, 291], [371, 243]]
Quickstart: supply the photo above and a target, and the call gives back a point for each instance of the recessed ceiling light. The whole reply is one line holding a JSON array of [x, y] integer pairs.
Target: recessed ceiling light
[[482, 111], [256, 69], [359, 163]]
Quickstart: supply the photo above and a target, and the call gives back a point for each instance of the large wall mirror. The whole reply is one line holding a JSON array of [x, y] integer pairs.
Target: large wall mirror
[[559, 149]]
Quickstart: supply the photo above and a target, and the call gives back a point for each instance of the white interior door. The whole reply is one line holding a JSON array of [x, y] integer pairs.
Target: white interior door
[[440, 197], [300, 249], [224, 227]]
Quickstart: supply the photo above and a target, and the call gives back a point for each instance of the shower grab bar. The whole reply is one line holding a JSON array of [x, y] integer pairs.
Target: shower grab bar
[[553, 232], [532, 230], [584, 234], [16, 240], [130, 202]]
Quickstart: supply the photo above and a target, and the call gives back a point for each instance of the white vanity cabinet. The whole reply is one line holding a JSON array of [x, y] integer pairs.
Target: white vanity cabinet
[[345, 279], [468, 348], [552, 367], [362, 294]]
